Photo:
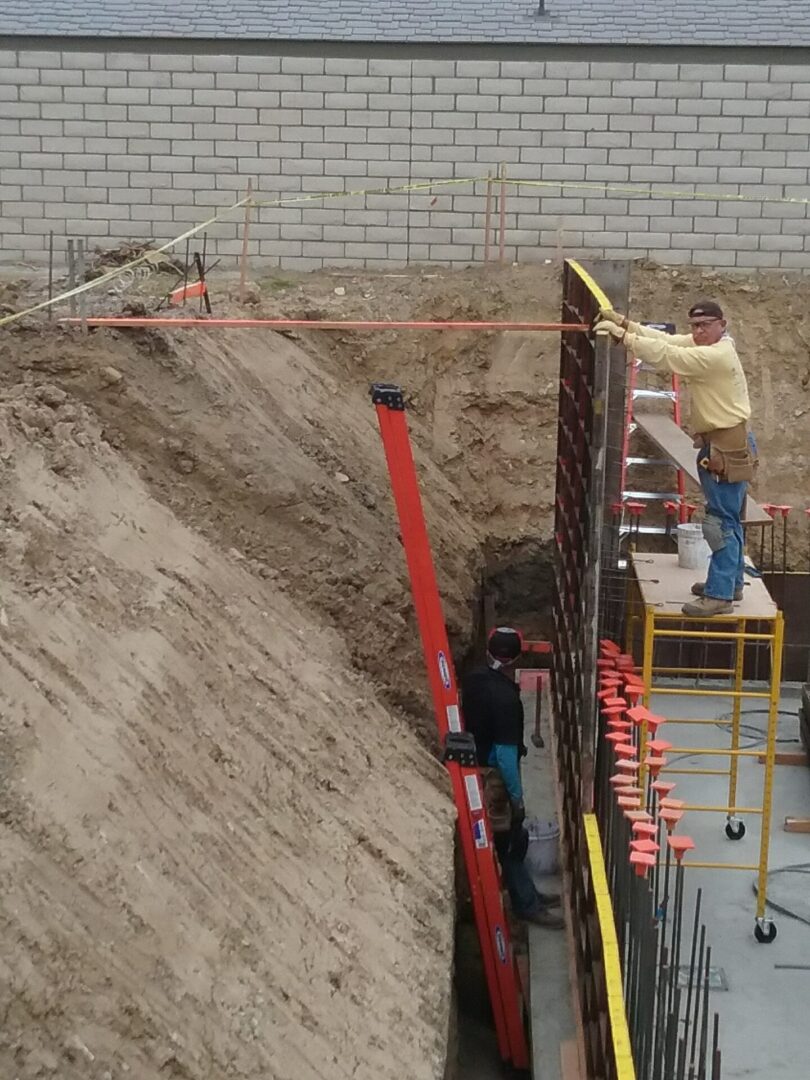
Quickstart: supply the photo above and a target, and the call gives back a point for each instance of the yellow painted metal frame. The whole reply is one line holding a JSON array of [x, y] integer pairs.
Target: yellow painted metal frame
[[738, 634], [619, 1031]]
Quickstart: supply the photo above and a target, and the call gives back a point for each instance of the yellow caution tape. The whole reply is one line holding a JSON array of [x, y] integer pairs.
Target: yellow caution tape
[[422, 185]]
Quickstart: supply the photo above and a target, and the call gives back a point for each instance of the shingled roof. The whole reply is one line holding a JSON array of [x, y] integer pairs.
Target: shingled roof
[[637, 22]]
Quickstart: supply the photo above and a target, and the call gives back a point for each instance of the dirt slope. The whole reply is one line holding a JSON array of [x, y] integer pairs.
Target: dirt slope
[[221, 855]]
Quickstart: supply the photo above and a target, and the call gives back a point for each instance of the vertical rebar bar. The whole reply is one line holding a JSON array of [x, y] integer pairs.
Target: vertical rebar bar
[[80, 274], [50, 274]]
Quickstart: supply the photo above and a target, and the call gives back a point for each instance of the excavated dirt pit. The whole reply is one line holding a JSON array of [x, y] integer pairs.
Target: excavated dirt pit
[[227, 844]]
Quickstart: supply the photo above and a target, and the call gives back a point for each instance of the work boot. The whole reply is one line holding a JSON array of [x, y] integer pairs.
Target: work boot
[[699, 588], [549, 899], [544, 917], [707, 606]]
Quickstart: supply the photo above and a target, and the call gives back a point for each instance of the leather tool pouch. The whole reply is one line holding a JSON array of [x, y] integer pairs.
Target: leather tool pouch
[[729, 454]]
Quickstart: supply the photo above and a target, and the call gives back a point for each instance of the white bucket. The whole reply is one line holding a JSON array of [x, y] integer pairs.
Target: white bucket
[[693, 551], [543, 853]]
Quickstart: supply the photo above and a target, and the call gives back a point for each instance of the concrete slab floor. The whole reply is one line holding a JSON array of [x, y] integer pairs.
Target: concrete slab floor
[[764, 1012]]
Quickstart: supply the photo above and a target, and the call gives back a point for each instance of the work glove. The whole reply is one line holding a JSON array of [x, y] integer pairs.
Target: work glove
[[616, 332], [518, 813], [609, 315]]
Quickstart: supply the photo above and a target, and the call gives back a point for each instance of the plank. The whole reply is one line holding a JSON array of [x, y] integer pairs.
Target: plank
[[677, 445], [797, 824], [665, 586], [570, 1068], [786, 757]]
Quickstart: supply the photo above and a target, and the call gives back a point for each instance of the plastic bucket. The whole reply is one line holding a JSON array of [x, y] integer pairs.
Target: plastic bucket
[[543, 853], [693, 551]]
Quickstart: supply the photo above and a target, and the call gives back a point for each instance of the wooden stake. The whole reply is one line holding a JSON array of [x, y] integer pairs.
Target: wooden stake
[[80, 271], [71, 261], [502, 208], [245, 237], [488, 219]]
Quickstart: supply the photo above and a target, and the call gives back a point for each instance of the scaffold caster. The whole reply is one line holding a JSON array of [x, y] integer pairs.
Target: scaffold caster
[[764, 931], [735, 830]]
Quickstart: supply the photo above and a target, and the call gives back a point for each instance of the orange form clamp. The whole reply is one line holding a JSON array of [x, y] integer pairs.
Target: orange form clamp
[[459, 746]]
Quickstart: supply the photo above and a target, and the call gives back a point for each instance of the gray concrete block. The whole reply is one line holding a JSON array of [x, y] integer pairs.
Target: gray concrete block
[[263, 65], [771, 158], [60, 77], [609, 70], [280, 82], [777, 91], [648, 174], [589, 122], [128, 95], [539, 88], [785, 142], [85, 61], [785, 176], [173, 97], [346, 66], [83, 94], [566, 105], [211, 62], [303, 65], [171, 62], [40, 93], [676, 123], [474, 103], [192, 114], [655, 106], [751, 108], [788, 72], [635, 123], [391, 67], [149, 79]]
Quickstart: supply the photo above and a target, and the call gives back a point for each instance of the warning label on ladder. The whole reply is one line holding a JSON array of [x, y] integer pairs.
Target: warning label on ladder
[[473, 792]]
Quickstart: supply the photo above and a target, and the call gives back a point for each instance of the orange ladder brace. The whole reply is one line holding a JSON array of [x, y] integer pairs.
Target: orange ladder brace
[[459, 746]]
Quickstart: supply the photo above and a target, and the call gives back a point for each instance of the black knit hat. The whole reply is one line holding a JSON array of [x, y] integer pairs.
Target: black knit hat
[[505, 644], [708, 309]]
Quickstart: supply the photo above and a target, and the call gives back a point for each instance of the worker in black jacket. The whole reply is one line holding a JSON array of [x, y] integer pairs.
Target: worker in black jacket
[[493, 714]]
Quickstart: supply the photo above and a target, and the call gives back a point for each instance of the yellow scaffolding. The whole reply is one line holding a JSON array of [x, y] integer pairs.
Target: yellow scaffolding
[[657, 589]]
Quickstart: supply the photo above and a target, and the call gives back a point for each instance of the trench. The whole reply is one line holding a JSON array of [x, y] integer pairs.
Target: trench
[[516, 590]]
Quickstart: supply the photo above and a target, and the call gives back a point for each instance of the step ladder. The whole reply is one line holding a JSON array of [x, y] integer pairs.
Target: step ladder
[[635, 502], [500, 968]]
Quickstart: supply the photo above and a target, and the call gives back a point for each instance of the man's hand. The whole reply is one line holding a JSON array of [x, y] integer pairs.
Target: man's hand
[[518, 812], [615, 331], [609, 315]]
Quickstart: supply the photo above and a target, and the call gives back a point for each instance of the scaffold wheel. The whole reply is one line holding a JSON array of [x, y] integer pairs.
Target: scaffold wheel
[[735, 830], [764, 931]]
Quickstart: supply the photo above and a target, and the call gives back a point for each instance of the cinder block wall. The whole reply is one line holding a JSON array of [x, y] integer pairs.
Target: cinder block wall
[[112, 145]]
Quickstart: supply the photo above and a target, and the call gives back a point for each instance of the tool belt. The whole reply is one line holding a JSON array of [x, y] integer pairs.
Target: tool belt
[[729, 455]]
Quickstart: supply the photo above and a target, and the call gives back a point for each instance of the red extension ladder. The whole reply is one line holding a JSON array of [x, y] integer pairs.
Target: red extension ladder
[[459, 746]]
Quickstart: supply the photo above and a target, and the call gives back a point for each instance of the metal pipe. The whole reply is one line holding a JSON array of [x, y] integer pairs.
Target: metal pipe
[[203, 323]]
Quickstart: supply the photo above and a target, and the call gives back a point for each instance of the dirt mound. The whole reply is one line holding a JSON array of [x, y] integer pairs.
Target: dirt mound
[[221, 855]]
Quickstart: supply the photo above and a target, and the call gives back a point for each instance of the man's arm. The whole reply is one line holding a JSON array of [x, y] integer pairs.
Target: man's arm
[[650, 332], [667, 354], [506, 760]]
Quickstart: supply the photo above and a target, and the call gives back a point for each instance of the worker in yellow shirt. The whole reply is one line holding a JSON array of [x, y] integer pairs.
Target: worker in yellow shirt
[[720, 411]]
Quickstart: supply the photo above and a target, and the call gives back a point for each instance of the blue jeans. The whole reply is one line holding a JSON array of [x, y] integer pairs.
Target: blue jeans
[[516, 876], [722, 528]]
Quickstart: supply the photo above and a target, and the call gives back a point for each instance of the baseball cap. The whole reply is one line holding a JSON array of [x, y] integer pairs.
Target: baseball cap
[[706, 309], [505, 644]]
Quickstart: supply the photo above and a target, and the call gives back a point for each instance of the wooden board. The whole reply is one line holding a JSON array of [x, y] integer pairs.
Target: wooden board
[[786, 757], [666, 586], [676, 444], [797, 824]]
